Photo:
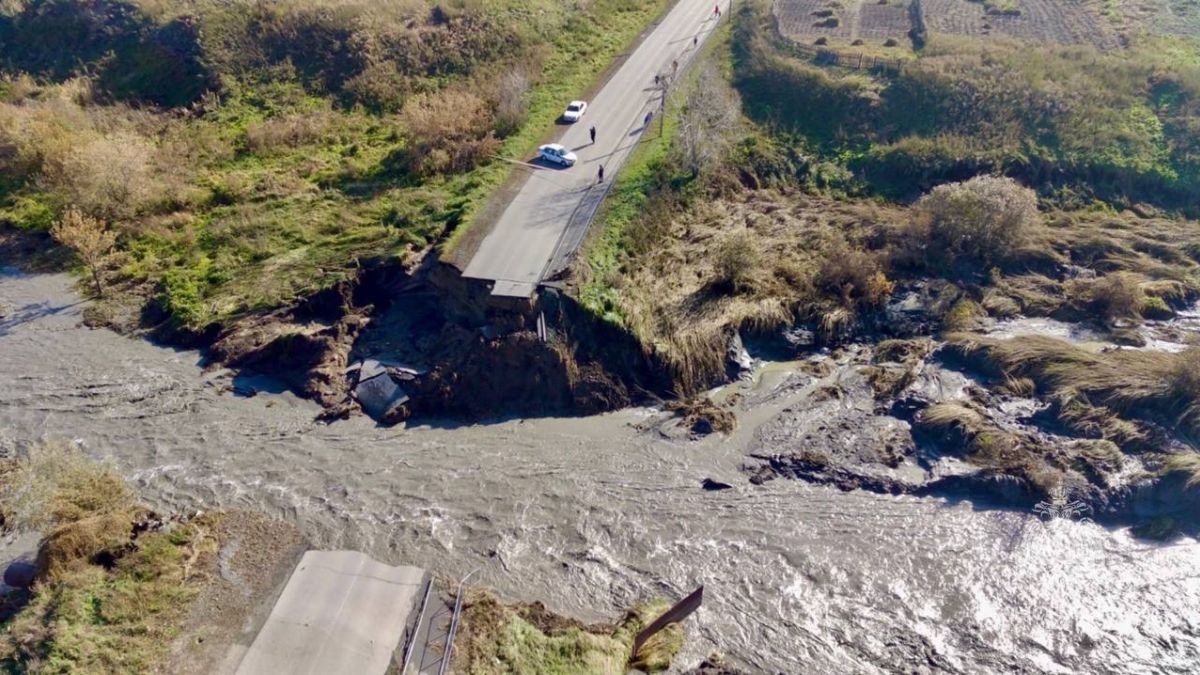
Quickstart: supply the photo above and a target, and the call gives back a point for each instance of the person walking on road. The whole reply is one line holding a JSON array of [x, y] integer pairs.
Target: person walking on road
[[717, 11], [674, 67], [695, 40], [592, 133], [647, 118], [600, 174]]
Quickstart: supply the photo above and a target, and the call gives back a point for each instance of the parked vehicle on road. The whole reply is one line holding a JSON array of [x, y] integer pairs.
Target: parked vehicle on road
[[574, 111], [553, 152]]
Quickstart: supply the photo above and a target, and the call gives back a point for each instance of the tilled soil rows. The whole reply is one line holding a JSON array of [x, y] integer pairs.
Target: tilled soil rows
[[1057, 21], [816, 18], [882, 21], [1061, 21]]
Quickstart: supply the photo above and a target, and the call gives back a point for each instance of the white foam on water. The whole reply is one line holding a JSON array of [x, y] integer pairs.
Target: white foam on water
[[590, 515]]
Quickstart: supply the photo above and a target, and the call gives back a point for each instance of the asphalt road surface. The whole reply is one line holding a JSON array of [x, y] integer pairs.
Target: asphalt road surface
[[544, 223]]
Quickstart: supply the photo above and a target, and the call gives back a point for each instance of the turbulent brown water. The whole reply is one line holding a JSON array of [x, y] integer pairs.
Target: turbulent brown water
[[592, 514]]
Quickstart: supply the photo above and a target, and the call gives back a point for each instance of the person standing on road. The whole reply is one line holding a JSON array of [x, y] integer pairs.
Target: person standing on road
[[695, 40], [674, 67], [600, 174], [717, 11], [647, 118], [592, 133]]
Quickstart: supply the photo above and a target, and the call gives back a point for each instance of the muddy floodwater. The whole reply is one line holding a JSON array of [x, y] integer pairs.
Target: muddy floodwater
[[592, 514]]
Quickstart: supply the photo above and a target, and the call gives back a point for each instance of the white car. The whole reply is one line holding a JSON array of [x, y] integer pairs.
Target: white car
[[574, 111], [553, 152]]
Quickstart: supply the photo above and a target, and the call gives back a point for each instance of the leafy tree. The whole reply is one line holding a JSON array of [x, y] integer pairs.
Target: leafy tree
[[710, 115], [91, 241]]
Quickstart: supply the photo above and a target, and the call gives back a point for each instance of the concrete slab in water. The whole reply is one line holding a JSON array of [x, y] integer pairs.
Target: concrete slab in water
[[341, 612], [513, 289], [378, 394]]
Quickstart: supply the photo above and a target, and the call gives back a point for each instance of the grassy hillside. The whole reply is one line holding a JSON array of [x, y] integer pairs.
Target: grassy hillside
[[249, 152], [810, 214], [1075, 123]]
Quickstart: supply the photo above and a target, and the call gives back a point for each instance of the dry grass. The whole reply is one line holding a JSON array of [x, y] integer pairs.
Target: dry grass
[[112, 588], [1129, 384], [1187, 464], [55, 484], [897, 363], [1115, 296], [951, 418], [702, 416], [677, 297], [448, 131], [960, 428], [903, 351], [499, 638]]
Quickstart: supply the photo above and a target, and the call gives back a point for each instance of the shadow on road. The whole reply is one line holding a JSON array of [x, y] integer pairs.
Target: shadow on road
[[540, 163]]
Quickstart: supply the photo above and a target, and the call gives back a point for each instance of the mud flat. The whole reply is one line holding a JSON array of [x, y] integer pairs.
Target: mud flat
[[593, 514]]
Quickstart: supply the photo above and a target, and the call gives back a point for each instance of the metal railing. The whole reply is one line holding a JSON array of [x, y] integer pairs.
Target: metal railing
[[454, 623]]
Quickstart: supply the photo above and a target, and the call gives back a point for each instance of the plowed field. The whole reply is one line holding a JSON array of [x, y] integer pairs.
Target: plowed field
[[1095, 22], [1061, 21]]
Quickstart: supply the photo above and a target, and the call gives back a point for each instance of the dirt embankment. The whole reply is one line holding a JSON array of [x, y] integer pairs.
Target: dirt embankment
[[452, 351], [449, 349]]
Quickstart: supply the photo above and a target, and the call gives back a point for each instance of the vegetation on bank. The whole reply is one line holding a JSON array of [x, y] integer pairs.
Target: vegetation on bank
[[1077, 124], [246, 154], [498, 638], [1109, 395], [795, 223], [113, 584]]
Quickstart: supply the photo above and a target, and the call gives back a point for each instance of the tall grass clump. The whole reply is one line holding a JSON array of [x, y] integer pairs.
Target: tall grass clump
[[972, 223], [1134, 385], [1186, 464], [111, 591], [497, 638]]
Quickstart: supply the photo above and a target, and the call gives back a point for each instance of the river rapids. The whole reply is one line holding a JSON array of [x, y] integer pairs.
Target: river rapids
[[593, 514]]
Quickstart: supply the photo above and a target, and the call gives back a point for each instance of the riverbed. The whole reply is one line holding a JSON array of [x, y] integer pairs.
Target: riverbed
[[592, 514]]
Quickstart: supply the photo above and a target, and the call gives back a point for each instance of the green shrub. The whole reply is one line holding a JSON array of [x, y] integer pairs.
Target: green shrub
[[28, 213], [1155, 308], [962, 316]]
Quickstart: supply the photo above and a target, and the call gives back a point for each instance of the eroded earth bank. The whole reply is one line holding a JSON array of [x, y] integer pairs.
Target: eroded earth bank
[[592, 514]]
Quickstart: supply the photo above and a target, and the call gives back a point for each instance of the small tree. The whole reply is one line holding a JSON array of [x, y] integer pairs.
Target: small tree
[[710, 115], [511, 96], [91, 241]]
